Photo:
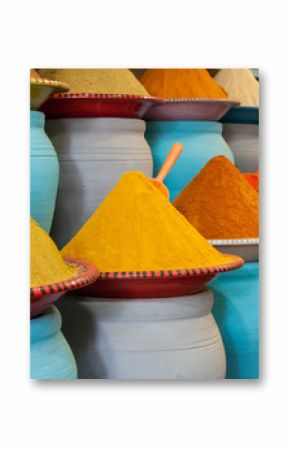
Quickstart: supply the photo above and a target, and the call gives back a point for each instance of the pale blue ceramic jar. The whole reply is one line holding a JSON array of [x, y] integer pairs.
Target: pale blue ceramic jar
[[201, 142], [44, 172], [236, 311], [50, 355]]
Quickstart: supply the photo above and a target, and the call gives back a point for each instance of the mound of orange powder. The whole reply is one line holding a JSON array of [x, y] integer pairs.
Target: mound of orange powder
[[220, 203]]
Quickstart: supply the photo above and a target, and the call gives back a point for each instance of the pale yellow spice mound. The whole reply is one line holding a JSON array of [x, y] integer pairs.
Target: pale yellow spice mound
[[136, 228], [240, 84], [102, 81], [46, 263]]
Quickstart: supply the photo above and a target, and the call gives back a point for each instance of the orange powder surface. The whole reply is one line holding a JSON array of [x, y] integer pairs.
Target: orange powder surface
[[220, 202], [181, 83]]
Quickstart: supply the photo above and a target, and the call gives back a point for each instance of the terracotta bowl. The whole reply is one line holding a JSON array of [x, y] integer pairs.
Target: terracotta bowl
[[97, 105], [43, 296], [156, 284]]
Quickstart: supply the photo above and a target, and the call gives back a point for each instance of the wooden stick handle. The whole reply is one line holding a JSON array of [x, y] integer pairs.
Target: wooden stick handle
[[170, 160]]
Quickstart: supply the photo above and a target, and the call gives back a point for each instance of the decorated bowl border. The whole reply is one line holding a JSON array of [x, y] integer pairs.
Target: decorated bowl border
[[97, 96], [234, 242], [87, 273], [201, 100], [42, 82], [170, 274]]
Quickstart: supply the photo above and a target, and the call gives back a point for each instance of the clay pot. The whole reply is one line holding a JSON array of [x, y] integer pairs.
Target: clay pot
[[168, 338], [201, 142], [93, 155], [236, 310], [44, 172], [50, 354]]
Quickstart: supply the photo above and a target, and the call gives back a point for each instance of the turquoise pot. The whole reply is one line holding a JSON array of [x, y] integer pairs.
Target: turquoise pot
[[201, 142], [236, 311], [44, 172], [50, 354]]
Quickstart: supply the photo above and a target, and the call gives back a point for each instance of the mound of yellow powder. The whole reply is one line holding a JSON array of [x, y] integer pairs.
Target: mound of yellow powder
[[136, 228], [220, 202], [240, 84], [101, 81], [182, 83], [46, 263]]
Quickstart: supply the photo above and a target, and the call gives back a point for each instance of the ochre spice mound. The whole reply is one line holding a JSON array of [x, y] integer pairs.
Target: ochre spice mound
[[136, 228], [46, 263], [181, 83], [220, 202], [101, 81]]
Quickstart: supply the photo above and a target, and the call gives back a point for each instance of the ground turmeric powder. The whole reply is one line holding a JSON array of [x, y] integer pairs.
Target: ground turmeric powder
[[181, 83], [46, 263], [136, 228], [220, 202]]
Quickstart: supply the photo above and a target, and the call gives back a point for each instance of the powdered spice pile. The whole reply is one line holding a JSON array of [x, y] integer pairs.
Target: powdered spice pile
[[102, 81], [220, 202], [240, 84], [136, 228], [181, 83], [46, 263]]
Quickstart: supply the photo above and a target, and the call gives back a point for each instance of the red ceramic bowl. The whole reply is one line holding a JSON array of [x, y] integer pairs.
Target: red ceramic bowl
[[42, 297], [97, 105], [156, 284]]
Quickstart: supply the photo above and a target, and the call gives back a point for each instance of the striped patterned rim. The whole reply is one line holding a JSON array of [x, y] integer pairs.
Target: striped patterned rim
[[106, 96], [201, 100], [186, 272], [234, 242], [87, 273], [49, 83]]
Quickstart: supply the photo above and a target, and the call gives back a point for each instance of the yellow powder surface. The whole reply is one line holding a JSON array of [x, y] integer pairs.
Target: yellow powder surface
[[182, 83], [102, 81], [46, 263], [220, 202], [136, 228], [240, 84]]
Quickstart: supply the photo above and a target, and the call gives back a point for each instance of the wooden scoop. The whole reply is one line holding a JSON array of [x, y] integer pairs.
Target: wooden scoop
[[170, 160]]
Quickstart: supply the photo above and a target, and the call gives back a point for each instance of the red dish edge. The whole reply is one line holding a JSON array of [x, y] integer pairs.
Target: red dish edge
[[151, 284], [97, 105], [87, 274]]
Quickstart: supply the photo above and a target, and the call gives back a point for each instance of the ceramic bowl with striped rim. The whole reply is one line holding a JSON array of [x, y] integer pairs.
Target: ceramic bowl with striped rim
[[248, 249], [156, 284], [190, 109], [72, 105], [43, 296], [41, 89]]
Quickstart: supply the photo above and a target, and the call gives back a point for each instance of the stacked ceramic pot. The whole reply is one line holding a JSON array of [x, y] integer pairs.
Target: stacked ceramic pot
[[145, 339], [234, 134], [50, 354], [236, 294], [98, 137], [191, 121]]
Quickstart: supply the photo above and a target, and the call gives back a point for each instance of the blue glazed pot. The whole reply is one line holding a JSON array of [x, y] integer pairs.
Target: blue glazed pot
[[50, 354], [236, 311], [201, 142], [44, 172]]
